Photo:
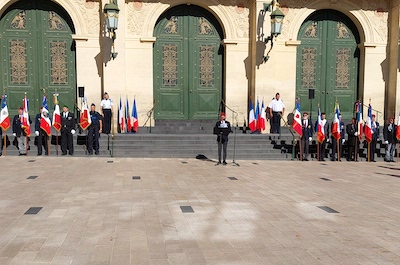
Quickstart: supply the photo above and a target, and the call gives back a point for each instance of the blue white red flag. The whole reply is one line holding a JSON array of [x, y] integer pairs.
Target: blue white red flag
[[296, 124], [336, 123], [263, 119], [45, 123], [258, 116], [127, 117], [85, 119], [121, 121], [26, 125], [252, 120], [359, 118], [368, 131], [56, 114], [320, 127], [4, 116], [135, 120]]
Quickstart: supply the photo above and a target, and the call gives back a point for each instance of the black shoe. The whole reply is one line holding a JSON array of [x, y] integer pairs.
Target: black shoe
[[97, 153], [392, 161], [64, 154], [22, 154], [219, 163], [386, 160], [39, 154], [224, 163], [71, 154], [90, 153], [305, 159]]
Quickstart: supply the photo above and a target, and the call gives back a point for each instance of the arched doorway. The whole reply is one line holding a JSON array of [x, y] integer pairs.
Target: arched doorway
[[38, 54], [188, 64], [328, 63]]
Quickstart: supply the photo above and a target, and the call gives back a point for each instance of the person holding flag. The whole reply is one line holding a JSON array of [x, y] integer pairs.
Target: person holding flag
[[42, 130], [306, 136], [4, 120], [375, 137], [67, 131], [322, 130], [20, 130], [352, 140], [338, 135]]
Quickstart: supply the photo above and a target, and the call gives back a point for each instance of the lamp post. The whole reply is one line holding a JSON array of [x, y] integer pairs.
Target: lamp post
[[111, 12], [276, 24]]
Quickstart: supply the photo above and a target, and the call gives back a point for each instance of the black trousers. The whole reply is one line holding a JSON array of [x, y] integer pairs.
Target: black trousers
[[220, 147], [322, 149], [93, 138], [373, 150], [276, 122], [107, 121], [42, 141], [67, 143]]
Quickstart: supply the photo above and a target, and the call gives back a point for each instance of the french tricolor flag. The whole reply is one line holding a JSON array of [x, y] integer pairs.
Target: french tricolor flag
[[252, 119], [296, 124], [336, 124], [4, 116], [135, 120]]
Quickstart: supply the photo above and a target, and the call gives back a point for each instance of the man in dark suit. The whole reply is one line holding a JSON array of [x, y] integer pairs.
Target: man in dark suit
[[67, 131], [352, 141], [375, 137], [19, 132], [94, 130], [42, 137], [222, 129], [389, 135], [341, 141], [306, 138]]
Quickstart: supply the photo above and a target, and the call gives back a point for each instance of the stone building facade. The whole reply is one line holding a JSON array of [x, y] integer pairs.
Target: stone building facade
[[186, 57]]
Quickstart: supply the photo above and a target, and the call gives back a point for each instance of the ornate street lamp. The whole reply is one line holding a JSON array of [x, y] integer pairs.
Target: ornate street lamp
[[276, 24], [111, 12]]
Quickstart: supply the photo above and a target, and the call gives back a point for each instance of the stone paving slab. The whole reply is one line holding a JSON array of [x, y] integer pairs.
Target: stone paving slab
[[263, 212]]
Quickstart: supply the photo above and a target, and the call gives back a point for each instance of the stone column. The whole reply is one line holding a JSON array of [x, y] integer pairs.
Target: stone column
[[393, 58]]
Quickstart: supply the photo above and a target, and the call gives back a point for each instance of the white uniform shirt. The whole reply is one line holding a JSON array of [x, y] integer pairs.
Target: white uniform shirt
[[276, 105], [106, 104]]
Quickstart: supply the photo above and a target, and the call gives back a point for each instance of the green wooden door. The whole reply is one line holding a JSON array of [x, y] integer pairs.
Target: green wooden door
[[327, 61], [188, 62], [38, 55]]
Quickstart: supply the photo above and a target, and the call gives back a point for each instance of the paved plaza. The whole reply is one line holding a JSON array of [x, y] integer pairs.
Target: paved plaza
[[74, 210]]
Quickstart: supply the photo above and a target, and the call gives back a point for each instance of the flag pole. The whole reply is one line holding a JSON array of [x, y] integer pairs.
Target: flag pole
[[301, 149], [338, 149], [5, 143], [27, 136]]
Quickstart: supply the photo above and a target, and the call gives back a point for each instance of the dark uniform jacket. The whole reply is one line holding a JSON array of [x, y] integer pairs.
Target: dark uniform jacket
[[307, 131], [38, 118], [67, 123], [95, 117], [17, 126], [351, 129], [223, 135], [389, 133]]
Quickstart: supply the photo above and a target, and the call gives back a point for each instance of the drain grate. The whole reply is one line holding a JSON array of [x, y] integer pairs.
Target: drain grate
[[328, 209], [33, 210], [187, 209]]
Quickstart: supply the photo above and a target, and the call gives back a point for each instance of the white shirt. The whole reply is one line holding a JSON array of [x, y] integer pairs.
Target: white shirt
[[106, 103], [276, 105]]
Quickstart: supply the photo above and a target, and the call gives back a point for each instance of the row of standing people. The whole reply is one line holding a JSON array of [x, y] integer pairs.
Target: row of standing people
[[68, 129], [352, 130]]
